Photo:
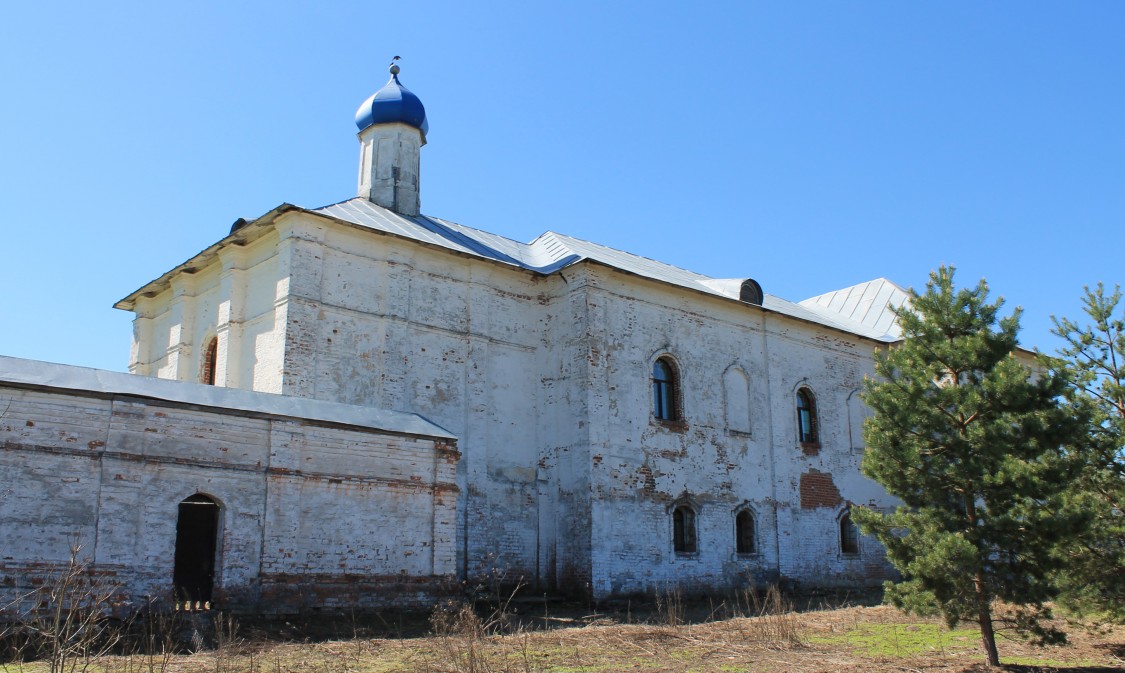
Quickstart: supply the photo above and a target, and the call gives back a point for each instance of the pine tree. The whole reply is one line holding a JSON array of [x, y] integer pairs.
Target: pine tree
[[970, 441], [1093, 362]]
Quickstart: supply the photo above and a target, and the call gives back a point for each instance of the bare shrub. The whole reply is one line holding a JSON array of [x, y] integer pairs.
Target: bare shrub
[[463, 633], [460, 634], [67, 619], [769, 618], [149, 640], [156, 640], [670, 607], [227, 645]]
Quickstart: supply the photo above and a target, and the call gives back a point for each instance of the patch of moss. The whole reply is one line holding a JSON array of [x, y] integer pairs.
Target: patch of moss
[[900, 640]]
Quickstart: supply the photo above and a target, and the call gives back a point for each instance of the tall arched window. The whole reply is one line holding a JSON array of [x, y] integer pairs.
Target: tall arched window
[[683, 530], [665, 390], [746, 541], [806, 417], [849, 535], [210, 358]]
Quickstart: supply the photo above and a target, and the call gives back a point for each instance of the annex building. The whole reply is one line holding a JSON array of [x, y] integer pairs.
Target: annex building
[[360, 404]]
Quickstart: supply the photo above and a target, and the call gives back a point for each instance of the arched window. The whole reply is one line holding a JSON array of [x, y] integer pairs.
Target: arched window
[[806, 417], [750, 292], [849, 535], [210, 357], [683, 530], [665, 390], [745, 537]]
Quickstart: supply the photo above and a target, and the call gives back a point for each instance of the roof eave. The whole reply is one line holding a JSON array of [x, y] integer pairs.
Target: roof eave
[[879, 340], [254, 229], [250, 231]]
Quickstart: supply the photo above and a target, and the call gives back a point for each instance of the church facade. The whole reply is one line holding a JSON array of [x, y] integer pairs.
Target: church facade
[[610, 424]]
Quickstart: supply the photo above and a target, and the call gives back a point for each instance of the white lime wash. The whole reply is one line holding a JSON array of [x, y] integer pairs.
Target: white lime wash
[[620, 425]]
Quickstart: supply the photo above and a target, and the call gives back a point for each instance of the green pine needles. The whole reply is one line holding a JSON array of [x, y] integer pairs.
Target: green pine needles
[[1092, 581], [974, 444]]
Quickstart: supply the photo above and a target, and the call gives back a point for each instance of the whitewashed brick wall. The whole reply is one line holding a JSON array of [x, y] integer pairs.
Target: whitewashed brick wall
[[311, 514], [566, 479]]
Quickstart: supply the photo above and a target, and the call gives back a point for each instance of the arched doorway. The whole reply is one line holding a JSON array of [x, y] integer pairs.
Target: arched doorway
[[197, 531]]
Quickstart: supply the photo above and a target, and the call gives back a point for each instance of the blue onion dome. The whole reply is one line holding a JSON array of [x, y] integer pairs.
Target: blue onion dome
[[393, 103]]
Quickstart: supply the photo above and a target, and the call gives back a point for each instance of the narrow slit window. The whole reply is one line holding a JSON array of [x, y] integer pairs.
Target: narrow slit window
[[210, 359], [849, 535], [664, 390]]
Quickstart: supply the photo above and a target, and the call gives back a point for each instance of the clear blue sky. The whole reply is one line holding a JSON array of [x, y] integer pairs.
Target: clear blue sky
[[809, 145]]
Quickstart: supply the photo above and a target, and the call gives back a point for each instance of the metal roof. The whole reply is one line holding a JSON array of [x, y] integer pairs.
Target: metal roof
[[34, 373], [552, 251], [448, 235], [870, 304], [868, 315]]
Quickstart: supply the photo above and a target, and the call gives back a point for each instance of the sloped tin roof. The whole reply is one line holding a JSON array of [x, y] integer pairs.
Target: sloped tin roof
[[33, 373], [552, 251], [863, 310], [870, 304]]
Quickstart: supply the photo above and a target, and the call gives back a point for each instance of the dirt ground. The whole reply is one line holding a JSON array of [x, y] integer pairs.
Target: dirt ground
[[850, 639], [455, 640], [782, 634]]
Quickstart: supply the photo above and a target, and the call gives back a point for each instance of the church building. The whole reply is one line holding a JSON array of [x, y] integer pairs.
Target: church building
[[359, 404]]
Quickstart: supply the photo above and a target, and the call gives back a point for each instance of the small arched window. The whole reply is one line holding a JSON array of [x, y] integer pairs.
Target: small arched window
[[210, 358], [750, 292], [744, 534], [683, 530], [806, 417], [665, 390], [849, 535]]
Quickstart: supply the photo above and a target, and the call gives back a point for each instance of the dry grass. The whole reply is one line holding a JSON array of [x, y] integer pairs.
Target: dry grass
[[774, 640]]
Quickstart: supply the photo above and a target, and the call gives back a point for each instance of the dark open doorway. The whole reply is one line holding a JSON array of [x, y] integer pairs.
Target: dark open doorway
[[197, 530]]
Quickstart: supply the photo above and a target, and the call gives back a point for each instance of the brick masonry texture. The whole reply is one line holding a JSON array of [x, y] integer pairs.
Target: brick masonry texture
[[818, 490], [561, 477], [566, 479], [311, 514]]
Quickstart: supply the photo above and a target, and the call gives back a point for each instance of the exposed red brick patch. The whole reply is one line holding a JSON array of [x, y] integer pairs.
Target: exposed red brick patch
[[649, 480], [210, 357], [818, 490]]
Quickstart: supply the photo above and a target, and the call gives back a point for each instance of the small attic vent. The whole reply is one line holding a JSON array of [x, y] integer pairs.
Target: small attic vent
[[751, 292]]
